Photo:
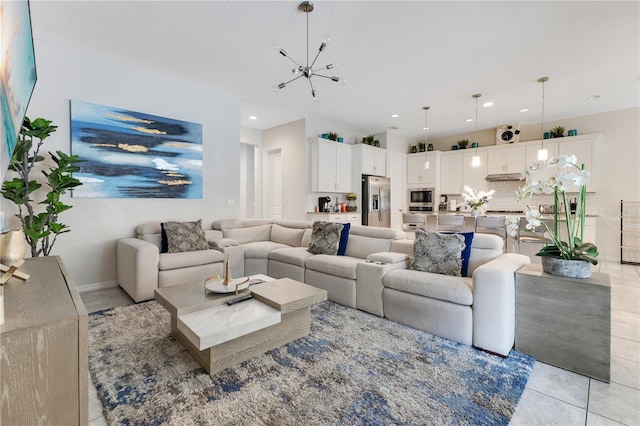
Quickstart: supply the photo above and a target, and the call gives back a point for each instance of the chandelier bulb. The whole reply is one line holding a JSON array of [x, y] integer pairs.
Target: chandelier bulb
[[326, 39]]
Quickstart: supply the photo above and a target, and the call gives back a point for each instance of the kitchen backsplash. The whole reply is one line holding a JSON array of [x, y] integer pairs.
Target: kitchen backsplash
[[505, 198]]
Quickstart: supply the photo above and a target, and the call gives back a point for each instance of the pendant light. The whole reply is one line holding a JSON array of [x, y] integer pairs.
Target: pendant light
[[426, 130], [543, 154], [475, 161]]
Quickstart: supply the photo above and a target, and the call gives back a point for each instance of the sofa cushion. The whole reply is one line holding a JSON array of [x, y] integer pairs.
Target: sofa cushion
[[170, 261], [438, 253], [289, 236], [344, 239], [339, 266], [260, 249], [466, 252], [361, 246], [248, 234], [325, 238], [435, 286], [296, 256], [155, 239], [183, 236]]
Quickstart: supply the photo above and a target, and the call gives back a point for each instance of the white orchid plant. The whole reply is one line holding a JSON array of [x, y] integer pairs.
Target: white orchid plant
[[476, 199], [565, 173]]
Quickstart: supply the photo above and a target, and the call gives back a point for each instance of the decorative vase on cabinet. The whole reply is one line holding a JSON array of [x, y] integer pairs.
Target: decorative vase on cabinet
[[566, 268]]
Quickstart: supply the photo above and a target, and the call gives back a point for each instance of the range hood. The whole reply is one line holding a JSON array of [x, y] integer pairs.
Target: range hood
[[502, 177]]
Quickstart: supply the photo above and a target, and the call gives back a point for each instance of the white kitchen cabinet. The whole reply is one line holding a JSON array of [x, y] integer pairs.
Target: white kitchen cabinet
[[369, 160], [531, 152], [352, 218], [330, 166], [585, 151], [396, 169], [475, 177], [451, 172], [417, 174], [510, 159]]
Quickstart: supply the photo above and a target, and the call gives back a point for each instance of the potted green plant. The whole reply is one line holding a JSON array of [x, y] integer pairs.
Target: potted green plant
[[571, 219], [368, 140], [41, 229], [557, 132], [333, 136], [463, 143], [422, 146]]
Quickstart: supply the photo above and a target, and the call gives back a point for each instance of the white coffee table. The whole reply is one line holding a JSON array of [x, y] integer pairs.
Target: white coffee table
[[220, 335]]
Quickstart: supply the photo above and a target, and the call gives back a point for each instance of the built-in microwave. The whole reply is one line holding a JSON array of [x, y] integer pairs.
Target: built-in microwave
[[421, 199], [421, 195]]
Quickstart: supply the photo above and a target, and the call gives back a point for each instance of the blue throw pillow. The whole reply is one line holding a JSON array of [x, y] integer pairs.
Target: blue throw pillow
[[466, 253], [344, 236]]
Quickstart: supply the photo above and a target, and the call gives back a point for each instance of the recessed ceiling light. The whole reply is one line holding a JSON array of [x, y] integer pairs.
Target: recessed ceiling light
[[469, 120], [524, 110], [425, 128], [253, 117], [592, 97], [487, 104], [394, 116]]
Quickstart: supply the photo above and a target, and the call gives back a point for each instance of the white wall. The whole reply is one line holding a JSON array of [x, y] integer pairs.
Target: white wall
[[89, 250], [291, 141]]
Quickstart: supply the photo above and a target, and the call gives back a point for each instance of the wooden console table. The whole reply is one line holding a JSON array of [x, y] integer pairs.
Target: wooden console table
[[44, 348], [564, 322]]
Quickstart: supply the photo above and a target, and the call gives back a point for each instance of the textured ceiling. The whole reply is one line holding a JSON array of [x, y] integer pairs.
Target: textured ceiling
[[396, 56]]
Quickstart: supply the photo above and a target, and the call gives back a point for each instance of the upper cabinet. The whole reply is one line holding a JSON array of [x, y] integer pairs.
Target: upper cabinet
[[451, 172], [330, 166], [369, 160], [416, 172], [585, 152], [474, 176], [510, 159]]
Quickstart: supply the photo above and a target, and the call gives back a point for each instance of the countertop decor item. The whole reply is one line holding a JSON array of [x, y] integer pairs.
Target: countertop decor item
[[566, 243], [307, 71], [351, 202], [477, 200]]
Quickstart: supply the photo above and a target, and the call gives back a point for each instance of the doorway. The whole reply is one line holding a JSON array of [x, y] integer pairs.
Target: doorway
[[274, 184]]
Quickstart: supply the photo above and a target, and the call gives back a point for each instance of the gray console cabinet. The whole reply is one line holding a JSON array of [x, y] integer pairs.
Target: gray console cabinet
[[564, 322]]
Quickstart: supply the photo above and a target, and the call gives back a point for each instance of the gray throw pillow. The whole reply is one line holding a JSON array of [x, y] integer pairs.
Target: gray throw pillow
[[185, 236], [325, 237], [438, 253]]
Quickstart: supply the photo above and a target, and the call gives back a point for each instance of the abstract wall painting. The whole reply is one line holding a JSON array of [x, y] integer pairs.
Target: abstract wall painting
[[17, 74], [130, 154]]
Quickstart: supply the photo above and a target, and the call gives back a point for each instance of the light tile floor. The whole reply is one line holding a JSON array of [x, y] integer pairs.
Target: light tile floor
[[553, 396]]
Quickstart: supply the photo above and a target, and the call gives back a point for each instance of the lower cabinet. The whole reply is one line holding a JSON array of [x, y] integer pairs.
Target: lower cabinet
[[352, 218], [44, 348]]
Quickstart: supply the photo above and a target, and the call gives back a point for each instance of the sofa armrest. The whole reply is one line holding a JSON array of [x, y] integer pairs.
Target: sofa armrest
[[212, 234], [369, 275], [137, 265], [494, 303], [389, 257], [221, 243]]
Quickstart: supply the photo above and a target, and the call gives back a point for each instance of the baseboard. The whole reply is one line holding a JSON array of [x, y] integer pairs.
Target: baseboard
[[97, 286]]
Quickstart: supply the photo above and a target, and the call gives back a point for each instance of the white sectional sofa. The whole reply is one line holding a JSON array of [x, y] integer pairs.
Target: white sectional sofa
[[372, 276]]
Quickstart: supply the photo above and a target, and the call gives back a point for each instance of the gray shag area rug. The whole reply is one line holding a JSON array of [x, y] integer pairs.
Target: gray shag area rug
[[354, 368]]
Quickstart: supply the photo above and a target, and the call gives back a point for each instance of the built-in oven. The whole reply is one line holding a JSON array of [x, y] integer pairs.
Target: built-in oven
[[421, 199]]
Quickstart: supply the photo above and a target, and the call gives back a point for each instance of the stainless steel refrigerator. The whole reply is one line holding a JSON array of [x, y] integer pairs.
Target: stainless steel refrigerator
[[376, 201]]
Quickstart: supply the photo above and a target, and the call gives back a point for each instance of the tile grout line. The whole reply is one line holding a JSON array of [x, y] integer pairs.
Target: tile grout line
[[586, 417]]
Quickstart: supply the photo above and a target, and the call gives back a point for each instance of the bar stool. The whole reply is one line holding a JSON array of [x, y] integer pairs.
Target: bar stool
[[451, 222], [496, 225], [538, 235]]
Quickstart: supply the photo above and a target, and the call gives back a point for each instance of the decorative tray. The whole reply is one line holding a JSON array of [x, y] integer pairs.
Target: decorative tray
[[217, 285]]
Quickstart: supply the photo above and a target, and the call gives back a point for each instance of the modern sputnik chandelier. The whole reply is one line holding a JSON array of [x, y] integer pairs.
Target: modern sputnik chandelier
[[307, 71]]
